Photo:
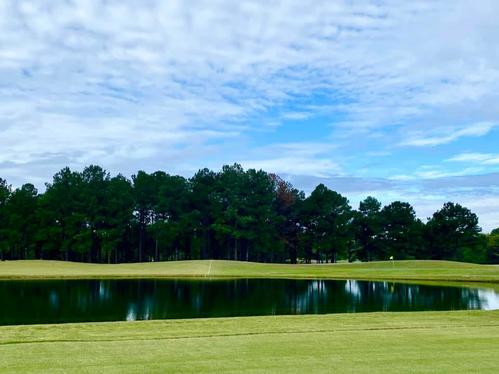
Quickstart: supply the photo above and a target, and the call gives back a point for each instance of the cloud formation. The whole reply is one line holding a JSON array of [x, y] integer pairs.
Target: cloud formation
[[447, 135], [479, 158]]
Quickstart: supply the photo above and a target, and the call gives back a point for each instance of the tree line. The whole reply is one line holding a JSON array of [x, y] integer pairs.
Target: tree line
[[236, 214]]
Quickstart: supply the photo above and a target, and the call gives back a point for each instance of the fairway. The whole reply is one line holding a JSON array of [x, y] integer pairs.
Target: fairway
[[383, 270], [423, 342]]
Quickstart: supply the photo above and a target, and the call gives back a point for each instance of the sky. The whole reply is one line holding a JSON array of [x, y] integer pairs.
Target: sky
[[395, 99]]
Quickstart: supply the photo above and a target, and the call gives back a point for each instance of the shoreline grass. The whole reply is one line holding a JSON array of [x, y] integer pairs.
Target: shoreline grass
[[399, 270], [416, 342]]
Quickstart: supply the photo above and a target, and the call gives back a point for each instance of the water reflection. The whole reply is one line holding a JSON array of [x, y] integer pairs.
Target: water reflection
[[24, 302]]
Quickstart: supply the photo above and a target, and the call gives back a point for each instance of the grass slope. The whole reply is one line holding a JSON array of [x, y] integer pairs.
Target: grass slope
[[423, 342], [399, 270]]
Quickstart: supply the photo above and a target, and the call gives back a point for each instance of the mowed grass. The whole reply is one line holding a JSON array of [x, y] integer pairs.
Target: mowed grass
[[415, 342], [422, 342], [383, 270]]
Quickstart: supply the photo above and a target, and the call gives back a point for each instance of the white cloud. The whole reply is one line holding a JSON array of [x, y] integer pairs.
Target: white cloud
[[316, 167], [448, 135], [296, 116], [479, 158], [307, 158], [435, 173]]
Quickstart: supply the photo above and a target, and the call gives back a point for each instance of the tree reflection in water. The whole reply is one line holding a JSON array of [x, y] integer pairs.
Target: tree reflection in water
[[24, 302]]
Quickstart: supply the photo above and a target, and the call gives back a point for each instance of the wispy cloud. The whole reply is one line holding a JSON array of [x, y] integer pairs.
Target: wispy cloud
[[447, 135], [314, 167], [479, 158], [306, 158], [435, 173]]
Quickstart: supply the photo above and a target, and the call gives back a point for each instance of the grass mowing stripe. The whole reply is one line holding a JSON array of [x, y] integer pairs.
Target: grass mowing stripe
[[209, 269], [241, 334]]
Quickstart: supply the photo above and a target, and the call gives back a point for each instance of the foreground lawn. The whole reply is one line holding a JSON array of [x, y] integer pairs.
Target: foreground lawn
[[384, 270], [423, 342]]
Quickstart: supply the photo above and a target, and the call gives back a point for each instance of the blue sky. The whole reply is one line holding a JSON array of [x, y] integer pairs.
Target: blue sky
[[389, 98]]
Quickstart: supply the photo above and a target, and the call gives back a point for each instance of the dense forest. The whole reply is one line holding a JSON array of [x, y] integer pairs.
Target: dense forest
[[234, 214]]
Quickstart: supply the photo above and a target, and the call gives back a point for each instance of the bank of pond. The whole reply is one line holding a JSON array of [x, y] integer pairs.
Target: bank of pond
[[60, 301]]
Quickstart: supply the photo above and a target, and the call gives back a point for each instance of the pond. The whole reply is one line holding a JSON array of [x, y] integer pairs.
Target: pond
[[57, 301]]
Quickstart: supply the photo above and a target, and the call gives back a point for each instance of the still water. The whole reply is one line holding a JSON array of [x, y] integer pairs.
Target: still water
[[28, 302]]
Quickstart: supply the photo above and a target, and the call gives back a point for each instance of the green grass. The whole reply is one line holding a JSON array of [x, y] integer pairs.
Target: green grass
[[422, 342], [399, 270]]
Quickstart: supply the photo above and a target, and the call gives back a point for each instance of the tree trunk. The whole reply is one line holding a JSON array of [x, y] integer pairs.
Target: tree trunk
[[235, 249], [156, 251], [292, 255], [141, 241]]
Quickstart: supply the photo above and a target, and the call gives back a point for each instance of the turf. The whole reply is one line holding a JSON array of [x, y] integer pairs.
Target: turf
[[422, 342], [399, 270]]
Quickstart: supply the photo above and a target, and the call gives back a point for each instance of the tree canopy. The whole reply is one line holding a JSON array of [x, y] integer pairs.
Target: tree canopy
[[233, 213]]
